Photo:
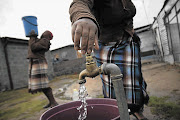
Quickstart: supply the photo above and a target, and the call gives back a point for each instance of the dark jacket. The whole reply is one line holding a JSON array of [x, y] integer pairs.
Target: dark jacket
[[112, 17], [38, 47]]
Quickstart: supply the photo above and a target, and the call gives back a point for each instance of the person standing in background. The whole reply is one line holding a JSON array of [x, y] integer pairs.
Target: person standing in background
[[38, 79]]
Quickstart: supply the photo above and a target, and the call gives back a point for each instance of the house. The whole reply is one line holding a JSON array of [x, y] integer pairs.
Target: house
[[166, 27], [148, 43]]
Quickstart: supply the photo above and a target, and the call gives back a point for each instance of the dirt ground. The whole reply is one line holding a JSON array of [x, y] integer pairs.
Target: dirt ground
[[162, 79]]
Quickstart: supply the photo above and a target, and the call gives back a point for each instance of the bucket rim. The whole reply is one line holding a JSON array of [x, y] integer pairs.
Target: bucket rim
[[94, 99], [28, 17], [118, 116]]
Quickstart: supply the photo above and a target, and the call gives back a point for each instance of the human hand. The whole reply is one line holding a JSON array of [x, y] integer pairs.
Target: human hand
[[88, 30], [33, 33]]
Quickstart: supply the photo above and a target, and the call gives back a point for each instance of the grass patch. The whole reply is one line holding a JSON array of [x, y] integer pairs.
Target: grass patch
[[100, 96], [19, 104], [160, 106]]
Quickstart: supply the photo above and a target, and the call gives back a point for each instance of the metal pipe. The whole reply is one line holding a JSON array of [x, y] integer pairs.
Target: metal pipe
[[110, 69], [116, 77]]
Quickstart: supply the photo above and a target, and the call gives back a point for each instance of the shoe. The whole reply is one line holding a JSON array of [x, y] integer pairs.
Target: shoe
[[138, 118], [53, 105], [46, 106]]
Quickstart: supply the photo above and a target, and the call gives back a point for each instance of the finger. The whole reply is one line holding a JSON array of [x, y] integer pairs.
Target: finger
[[73, 31], [77, 36], [91, 40], [84, 42], [76, 45], [96, 42]]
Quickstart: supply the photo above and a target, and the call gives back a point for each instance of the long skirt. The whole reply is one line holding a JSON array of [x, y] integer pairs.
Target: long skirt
[[126, 55], [38, 78]]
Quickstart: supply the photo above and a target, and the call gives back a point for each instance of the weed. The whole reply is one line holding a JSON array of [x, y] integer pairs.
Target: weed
[[100, 96], [19, 104], [160, 106]]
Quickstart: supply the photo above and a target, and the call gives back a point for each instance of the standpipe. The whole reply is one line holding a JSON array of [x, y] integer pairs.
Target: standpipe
[[116, 76]]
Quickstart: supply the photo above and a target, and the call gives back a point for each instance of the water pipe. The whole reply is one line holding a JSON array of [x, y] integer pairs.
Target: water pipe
[[116, 76]]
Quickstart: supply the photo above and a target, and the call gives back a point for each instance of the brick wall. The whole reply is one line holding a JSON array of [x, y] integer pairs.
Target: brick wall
[[65, 53], [18, 63], [69, 67], [48, 56]]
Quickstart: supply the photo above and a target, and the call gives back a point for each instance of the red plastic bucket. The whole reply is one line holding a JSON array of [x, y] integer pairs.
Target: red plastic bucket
[[98, 109]]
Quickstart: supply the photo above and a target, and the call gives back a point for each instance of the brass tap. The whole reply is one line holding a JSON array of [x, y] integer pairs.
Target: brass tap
[[91, 69], [116, 76]]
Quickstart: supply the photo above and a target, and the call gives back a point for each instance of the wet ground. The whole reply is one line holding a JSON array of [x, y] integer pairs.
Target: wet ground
[[162, 79]]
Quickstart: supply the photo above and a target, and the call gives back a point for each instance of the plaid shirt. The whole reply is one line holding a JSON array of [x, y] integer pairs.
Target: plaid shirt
[[126, 55]]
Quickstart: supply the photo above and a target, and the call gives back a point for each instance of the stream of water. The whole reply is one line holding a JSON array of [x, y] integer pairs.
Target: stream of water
[[82, 97]]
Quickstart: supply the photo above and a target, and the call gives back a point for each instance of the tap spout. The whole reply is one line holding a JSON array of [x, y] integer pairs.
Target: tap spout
[[86, 73], [116, 76], [91, 69]]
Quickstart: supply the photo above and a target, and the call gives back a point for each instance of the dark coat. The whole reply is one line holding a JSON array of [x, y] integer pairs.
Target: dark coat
[[38, 47], [112, 17]]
